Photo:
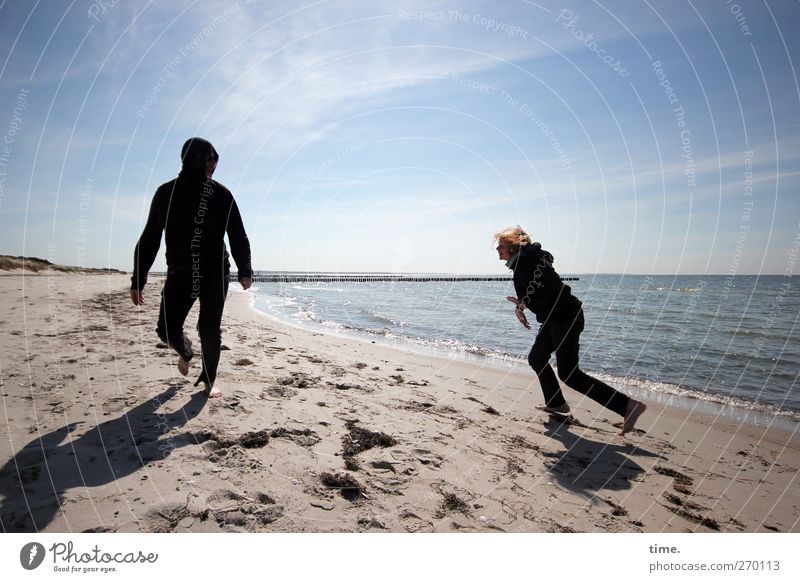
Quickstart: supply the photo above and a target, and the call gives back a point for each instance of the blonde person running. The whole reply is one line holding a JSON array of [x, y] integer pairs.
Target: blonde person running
[[540, 289]]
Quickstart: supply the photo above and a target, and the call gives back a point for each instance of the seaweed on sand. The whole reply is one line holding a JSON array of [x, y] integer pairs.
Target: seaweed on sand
[[349, 488]]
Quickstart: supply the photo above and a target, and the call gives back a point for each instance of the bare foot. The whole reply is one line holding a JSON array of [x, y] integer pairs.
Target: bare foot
[[213, 392], [562, 410], [632, 413], [183, 365]]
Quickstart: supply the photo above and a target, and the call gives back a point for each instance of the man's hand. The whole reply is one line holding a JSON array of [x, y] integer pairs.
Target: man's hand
[[246, 282], [520, 312], [137, 297]]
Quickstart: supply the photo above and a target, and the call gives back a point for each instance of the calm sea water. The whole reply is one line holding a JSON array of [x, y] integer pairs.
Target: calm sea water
[[729, 341]]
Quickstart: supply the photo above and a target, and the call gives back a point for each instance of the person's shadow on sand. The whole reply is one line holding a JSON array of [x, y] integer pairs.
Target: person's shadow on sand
[[34, 481], [586, 466]]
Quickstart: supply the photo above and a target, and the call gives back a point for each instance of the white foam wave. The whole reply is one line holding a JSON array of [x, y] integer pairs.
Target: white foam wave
[[301, 288]]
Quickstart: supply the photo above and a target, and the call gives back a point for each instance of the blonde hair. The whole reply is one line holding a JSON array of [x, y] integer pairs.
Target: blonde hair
[[514, 237]]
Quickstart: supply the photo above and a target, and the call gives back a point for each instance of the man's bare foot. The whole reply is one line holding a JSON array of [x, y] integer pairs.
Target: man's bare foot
[[183, 365], [213, 392], [562, 410], [632, 413]]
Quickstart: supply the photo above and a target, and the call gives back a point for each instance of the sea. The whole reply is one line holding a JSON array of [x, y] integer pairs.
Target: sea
[[726, 345]]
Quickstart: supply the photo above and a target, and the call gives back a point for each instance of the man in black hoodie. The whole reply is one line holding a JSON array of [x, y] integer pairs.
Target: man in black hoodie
[[195, 212], [540, 289]]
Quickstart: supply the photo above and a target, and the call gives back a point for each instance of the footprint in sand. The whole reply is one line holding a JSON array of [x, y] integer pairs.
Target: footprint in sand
[[414, 523], [230, 510], [279, 392], [428, 458]]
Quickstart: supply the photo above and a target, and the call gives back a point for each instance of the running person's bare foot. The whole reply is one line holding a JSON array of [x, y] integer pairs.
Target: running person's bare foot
[[632, 413], [562, 410]]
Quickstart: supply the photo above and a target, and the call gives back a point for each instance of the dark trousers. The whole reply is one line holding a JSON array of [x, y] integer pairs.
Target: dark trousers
[[562, 337], [181, 289]]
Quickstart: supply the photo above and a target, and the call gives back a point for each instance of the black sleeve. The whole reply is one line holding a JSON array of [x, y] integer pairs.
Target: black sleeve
[[240, 244], [525, 284], [537, 283], [147, 248]]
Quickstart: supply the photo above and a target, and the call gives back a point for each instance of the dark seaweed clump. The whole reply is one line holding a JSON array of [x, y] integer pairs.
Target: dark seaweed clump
[[360, 439], [348, 486]]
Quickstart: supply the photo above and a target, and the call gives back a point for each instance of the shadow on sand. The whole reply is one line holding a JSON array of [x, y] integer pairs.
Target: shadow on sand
[[587, 467], [33, 483]]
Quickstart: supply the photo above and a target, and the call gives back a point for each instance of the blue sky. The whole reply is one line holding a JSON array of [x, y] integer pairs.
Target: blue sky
[[627, 137]]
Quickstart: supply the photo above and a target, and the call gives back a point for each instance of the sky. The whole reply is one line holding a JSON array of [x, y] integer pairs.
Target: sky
[[652, 137]]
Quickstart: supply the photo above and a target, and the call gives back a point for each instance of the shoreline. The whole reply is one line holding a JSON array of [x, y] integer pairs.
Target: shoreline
[[683, 398], [317, 433]]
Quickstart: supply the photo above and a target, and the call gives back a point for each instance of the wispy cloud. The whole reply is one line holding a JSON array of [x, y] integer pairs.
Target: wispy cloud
[[282, 76]]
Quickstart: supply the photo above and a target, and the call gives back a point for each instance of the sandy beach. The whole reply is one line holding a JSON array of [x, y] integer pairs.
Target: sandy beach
[[317, 433]]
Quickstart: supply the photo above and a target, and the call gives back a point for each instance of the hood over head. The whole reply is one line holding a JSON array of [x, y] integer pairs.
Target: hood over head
[[536, 247], [194, 154]]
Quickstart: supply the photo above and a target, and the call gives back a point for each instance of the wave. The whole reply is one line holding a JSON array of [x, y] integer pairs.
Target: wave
[[678, 289], [309, 315], [273, 302], [739, 332], [380, 318], [452, 346], [300, 288]]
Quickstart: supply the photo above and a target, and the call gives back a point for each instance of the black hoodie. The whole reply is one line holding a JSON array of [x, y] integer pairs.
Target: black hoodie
[[540, 288], [195, 212]]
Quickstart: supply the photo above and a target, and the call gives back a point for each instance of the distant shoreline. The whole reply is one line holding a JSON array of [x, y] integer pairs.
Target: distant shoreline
[[34, 264]]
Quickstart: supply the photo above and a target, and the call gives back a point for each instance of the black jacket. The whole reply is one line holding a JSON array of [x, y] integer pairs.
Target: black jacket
[[195, 212], [540, 288]]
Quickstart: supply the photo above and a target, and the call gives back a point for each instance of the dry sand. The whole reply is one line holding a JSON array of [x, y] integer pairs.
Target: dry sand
[[318, 433]]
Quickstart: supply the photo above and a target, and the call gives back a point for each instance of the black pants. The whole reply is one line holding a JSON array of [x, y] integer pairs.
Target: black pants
[[562, 337], [181, 289]]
